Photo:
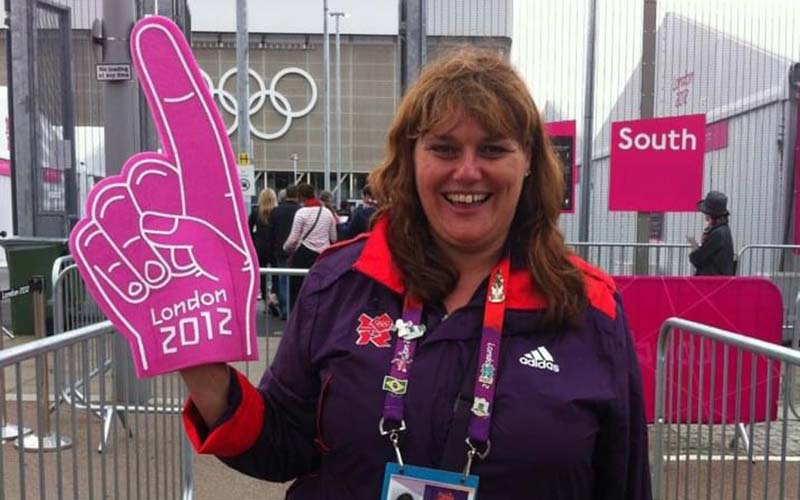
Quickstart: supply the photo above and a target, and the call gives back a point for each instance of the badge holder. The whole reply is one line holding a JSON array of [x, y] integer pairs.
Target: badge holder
[[409, 482]]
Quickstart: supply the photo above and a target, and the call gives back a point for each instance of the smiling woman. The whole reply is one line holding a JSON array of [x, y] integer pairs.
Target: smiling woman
[[469, 128], [525, 381]]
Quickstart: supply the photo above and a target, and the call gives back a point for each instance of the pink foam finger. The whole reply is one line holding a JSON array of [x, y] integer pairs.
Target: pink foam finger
[[95, 252], [155, 184], [203, 243], [116, 215], [190, 128], [170, 260]]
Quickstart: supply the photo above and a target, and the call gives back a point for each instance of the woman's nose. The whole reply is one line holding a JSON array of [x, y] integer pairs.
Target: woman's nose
[[469, 168]]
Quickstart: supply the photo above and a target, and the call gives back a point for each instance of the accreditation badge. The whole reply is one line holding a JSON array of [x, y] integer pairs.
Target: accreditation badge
[[407, 482]]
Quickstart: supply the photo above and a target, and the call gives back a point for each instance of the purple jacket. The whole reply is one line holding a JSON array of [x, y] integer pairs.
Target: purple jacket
[[570, 428]]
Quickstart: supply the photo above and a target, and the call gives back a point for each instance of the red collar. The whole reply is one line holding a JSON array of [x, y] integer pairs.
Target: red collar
[[312, 202], [522, 291]]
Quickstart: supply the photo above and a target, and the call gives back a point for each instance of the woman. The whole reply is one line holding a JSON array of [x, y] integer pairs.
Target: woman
[[465, 252], [258, 222], [714, 256], [313, 230]]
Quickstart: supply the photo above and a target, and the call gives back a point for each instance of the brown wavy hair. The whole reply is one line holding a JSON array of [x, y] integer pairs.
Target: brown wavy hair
[[486, 87]]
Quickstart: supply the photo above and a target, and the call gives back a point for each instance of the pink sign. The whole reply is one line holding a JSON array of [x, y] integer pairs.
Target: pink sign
[[716, 136], [562, 137], [749, 305], [657, 164], [5, 168], [164, 247]]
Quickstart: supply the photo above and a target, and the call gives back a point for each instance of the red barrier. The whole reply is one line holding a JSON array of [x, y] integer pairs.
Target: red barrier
[[751, 306]]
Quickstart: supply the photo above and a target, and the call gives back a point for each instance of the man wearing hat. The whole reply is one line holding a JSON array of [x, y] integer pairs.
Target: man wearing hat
[[714, 255]]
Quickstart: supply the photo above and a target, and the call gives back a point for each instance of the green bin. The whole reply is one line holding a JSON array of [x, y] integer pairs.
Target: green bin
[[30, 257]]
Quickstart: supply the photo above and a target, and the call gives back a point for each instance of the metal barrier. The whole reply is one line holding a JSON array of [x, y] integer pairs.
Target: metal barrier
[[781, 265], [151, 460], [620, 259], [712, 385], [145, 457], [73, 307], [789, 381]]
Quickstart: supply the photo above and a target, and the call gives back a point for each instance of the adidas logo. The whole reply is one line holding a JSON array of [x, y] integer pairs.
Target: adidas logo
[[539, 358]]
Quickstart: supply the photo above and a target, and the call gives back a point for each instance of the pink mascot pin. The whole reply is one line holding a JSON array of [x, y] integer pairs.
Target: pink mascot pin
[[164, 246]]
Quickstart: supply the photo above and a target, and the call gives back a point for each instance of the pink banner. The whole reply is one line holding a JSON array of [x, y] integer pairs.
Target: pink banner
[[5, 168], [716, 136], [657, 164], [563, 138], [750, 305]]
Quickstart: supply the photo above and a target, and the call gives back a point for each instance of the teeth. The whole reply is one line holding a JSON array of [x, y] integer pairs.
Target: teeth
[[466, 198]]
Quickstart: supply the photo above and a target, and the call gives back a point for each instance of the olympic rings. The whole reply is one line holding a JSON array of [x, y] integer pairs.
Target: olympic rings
[[257, 99]]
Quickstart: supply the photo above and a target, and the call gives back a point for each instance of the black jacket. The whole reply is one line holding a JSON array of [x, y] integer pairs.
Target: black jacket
[[280, 225], [358, 222], [715, 256], [260, 234]]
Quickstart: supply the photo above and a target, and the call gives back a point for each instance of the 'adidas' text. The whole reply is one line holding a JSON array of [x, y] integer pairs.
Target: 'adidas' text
[[539, 358]]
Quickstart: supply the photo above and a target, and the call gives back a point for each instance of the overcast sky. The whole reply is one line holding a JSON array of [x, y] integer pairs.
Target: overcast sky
[[549, 44]]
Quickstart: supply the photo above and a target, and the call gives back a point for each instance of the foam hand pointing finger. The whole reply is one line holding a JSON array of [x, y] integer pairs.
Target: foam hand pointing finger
[[164, 247]]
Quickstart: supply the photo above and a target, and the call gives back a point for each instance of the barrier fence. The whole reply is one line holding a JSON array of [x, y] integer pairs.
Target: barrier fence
[[626, 259], [714, 389], [106, 438], [146, 454], [73, 307], [781, 265]]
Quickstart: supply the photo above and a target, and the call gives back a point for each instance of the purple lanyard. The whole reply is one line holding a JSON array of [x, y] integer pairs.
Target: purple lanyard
[[409, 330]]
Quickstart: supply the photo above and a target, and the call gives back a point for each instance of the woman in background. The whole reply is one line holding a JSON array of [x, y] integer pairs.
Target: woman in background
[[259, 231]]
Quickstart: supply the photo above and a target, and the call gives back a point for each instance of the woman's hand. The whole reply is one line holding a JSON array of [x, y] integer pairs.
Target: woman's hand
[[208, 387]]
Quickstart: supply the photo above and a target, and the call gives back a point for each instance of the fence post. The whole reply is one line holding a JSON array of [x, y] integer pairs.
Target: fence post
[[665, 335], [44, 440]]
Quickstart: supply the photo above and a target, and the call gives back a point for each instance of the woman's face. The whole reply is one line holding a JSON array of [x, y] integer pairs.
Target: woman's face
[[469, 183]]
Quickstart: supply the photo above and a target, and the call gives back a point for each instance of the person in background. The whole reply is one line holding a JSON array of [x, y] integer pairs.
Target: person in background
[[713, 256], [460, 332], [258, 222], [359, 221], [280, 225], [313, 230], [326, 197], [344, 209]]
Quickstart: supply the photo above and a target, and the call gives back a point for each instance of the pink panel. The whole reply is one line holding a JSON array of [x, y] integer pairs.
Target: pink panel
[[657, 164], [749, 305], [716, 136], [564, 134]]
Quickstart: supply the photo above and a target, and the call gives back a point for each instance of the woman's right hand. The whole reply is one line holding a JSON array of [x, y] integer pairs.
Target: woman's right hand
[[208, 387]]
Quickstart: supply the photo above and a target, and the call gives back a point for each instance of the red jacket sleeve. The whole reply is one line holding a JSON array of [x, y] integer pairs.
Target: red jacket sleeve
[[235, 434]]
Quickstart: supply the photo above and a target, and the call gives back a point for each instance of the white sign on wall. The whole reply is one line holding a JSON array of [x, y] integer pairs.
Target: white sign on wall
[[247, 177]]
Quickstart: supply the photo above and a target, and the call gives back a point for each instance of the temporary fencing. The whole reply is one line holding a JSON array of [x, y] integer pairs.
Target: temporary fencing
[[625, 259], [781, 265], [717, 390], [146, 455]]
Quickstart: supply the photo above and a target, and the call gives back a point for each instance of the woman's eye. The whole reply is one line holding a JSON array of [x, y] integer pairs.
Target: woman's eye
[[494, 150], [443, 149]]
